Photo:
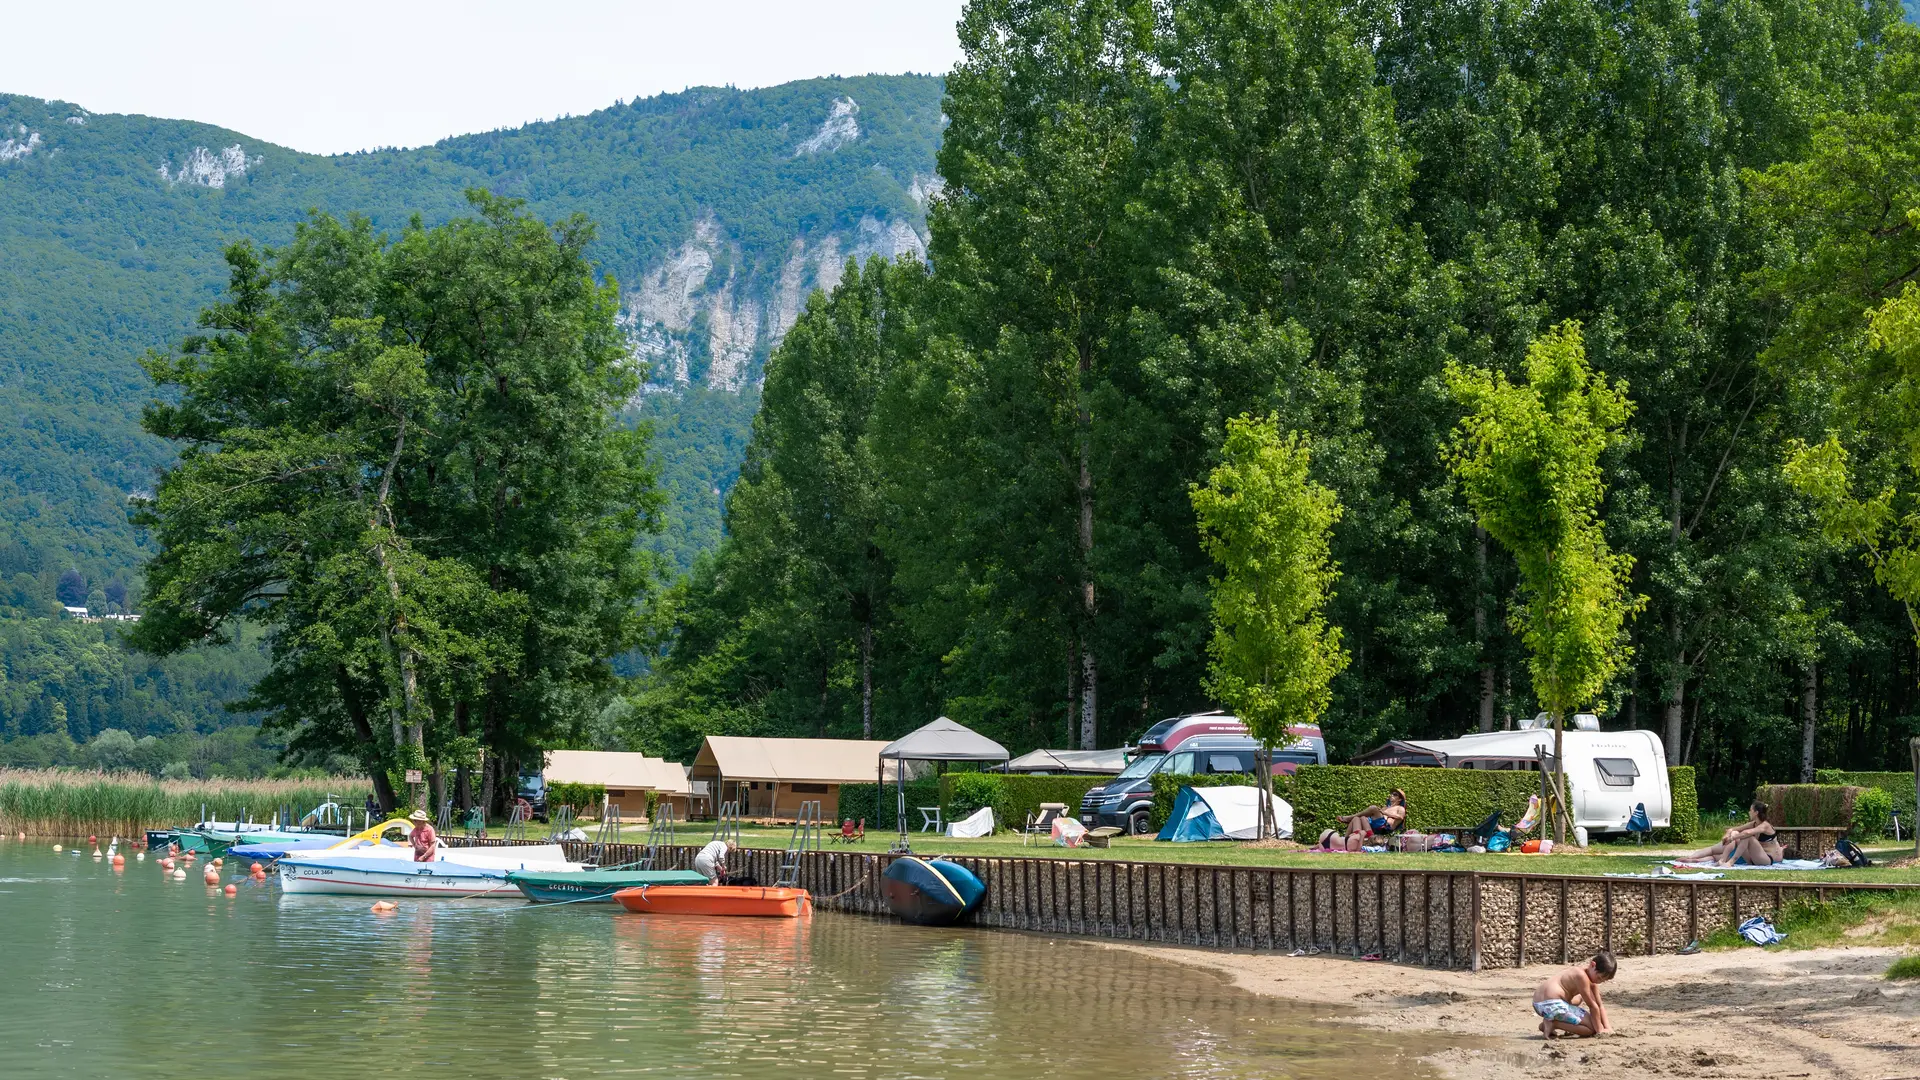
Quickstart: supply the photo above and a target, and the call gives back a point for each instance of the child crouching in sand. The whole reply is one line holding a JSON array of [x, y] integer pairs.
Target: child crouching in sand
[[1568, 1001]]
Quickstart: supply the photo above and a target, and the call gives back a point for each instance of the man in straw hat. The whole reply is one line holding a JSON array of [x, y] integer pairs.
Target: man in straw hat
[[422, 837]]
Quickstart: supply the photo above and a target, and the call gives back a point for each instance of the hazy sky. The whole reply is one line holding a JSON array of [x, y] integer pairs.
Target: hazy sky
[[334, 75]]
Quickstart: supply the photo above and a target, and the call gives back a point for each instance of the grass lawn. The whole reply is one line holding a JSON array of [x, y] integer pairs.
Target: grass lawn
[[1600, 859]]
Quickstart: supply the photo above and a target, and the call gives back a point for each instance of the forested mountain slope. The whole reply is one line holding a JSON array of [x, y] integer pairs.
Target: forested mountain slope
[[718, 211]]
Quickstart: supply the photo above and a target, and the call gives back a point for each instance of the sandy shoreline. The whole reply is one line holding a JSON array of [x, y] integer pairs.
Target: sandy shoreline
[[1816, 1013]]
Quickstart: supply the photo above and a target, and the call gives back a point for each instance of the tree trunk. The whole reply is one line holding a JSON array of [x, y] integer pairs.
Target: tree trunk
[[866, 677], [1559, 783], [462, 773], [1809, 719], [1089, 667], [357, 716], [1676, 706], [487, 765], [1913, 748], [1480, 630]]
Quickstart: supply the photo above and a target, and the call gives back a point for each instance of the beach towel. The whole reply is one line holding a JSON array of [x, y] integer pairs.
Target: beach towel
[[1669, 875], [1787, 865], [1531, 818], [1760, 931]]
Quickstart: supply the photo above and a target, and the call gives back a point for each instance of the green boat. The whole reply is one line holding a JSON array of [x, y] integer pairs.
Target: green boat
[[594, 886]]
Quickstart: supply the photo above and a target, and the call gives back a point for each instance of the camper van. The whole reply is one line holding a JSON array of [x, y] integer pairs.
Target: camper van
[[1191, 745], [1608, 772]]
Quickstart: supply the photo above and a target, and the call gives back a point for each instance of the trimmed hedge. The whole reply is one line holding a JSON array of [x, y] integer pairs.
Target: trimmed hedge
[[863, 802], [584, 798], [1446, 798], [1686, 806], [1167, 788], [1897, 785], [1793, 806], [1012, 797]]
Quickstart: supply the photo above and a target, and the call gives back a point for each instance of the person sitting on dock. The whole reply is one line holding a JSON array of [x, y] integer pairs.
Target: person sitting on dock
[[1568, 1001], [712, 861], [424, 842]]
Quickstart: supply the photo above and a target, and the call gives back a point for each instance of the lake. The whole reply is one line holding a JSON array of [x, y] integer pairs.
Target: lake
[[126, 974]]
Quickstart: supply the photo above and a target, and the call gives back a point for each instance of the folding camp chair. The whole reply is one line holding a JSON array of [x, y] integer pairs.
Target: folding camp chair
[[1638, 823], [1041, 823]]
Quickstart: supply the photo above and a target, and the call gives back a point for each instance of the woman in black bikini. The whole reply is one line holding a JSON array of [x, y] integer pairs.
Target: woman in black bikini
[[1755, 842]]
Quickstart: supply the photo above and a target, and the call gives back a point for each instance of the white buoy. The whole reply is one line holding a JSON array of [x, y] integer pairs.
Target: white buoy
[[179, 875], [56, 847]]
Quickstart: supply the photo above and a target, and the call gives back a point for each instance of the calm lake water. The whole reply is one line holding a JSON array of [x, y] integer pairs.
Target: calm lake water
[[107, 974]]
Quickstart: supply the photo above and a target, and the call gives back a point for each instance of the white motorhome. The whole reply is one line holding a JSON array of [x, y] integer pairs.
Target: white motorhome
[[1608, 772]]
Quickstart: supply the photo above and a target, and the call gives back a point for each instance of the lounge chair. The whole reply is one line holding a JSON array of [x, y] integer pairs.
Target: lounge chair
[[851, 833], [1041, 823]]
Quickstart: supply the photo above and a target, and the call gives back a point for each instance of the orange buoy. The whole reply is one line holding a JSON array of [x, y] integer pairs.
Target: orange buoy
[[218, 862], [119, 860], [93, 839], [385, 907], [231, 891], [254, 869], [166, 864]]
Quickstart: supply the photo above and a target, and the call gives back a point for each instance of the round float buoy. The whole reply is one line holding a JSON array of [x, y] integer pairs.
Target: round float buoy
[[56, 847], [93, 839], [231, 891], [218, 862], [179, 875], [385, 907], [166, 864], [119, 860], [254, 869], [139, 856]]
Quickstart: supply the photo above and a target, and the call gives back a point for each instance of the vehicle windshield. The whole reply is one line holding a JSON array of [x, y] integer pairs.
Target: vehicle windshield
[[1141, 766]]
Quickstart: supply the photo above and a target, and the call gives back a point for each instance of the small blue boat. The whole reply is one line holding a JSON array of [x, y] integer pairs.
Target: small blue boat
[[931, 892]]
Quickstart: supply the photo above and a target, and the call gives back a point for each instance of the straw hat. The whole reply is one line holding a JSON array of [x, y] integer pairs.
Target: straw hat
[[420, 816]]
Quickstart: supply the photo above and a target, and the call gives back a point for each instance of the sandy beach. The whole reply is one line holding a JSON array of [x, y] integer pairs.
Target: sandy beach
[[1816, 1013]]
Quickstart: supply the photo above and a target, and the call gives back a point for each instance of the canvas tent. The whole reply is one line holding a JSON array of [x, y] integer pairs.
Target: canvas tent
[[627, 778], [772, 778], [1222, 813], [1070, 762], [942, 740]]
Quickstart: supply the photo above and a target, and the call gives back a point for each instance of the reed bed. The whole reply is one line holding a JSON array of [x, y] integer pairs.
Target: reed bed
[[71, 802]]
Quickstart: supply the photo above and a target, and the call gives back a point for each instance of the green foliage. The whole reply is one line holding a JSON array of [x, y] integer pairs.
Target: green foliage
[[584, 798], [401, 459], [876, 806], [1898, 786], [1166, 789], [1272, 657], [1685, 817], [1437, 799], [1528, 456], [963, 794], [1817, 805], [1907, 967], [1872, 814]]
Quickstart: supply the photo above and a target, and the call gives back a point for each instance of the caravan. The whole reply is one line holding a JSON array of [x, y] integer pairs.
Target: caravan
[[1608, 772]]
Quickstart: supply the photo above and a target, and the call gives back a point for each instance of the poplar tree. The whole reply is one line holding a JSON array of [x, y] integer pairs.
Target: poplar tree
[[1268, 527], [1528, 458]]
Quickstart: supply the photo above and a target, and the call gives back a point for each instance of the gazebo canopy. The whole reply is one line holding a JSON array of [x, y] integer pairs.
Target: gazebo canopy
[[944, 740]]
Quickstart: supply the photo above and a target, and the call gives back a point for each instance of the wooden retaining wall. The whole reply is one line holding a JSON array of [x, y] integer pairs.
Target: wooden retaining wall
[[1432, 918]]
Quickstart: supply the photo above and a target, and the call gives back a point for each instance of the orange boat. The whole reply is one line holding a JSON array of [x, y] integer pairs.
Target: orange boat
[[715, 900]]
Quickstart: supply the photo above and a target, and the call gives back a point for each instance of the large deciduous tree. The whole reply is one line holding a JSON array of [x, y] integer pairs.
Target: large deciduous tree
[[404, 459]]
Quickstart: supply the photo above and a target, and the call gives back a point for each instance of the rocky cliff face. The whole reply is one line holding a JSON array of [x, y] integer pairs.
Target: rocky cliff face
[[709, 314]]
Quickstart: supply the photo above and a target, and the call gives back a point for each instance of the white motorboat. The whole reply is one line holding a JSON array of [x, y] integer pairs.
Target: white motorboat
[[391, 870]]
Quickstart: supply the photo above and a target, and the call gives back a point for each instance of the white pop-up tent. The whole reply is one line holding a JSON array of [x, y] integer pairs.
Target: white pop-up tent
[[1223, 813], [942, 740]]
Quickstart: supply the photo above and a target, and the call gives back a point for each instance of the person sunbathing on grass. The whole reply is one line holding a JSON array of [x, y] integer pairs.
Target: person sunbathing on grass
[[1568, 1001], [1361, 828], [1754, 841]]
